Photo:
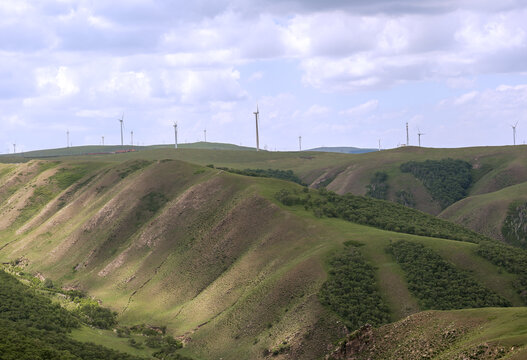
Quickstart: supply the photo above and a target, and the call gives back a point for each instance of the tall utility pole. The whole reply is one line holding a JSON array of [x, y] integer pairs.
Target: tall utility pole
[[407, 136], [132, 137], [256, 113], [175, 135], [300, 143], [67, 138], [205, 135], [121, 121]]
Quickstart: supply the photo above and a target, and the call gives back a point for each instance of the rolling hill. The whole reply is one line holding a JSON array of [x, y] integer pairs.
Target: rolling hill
[[492, 169], [230, 269]]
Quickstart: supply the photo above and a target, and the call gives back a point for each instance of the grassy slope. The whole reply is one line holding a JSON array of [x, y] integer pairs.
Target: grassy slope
[[230, 269], [484, 334], [486, 212]]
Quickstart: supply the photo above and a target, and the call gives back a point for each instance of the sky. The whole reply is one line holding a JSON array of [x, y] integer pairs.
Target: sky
[[335, 72]]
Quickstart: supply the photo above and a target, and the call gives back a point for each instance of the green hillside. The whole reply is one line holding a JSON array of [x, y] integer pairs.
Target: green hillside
[[231, 267]]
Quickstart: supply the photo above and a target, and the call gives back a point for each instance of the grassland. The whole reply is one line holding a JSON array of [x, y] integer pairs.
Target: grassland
[[213, 255], [482, 334]]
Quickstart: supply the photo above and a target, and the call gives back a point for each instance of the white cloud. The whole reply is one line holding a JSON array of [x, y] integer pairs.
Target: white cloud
[[56, 82], [255, 76], [361, 109], [317, 110], [465, 98], [499, 32], [77, 62], [130, 84]]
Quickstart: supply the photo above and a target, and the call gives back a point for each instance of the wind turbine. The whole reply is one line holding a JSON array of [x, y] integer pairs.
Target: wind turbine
[[68, 138], [300, 143], [419, 133], [205, 135], [121, 121], [132, 137], [514, 132], [175, 135], [256, 113]]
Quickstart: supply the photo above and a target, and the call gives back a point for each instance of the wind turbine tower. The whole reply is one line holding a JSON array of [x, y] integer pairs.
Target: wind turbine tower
[[419, 133], [67, 138], [256, 113], [514, 132], [407, 136], [14, 148], [103, 141], [379, 144], [205, 135], [175, 135], [300, 143], [121, 121]]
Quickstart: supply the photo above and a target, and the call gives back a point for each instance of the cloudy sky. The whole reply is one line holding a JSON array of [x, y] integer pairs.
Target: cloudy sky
[[336, 72]]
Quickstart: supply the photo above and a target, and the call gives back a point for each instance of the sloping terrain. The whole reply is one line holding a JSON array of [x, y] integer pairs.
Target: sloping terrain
[[180, 245], [209, 254], [463, 334]]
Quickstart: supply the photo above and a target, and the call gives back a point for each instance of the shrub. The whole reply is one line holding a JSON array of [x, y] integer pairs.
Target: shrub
[[351, 290], [510, 258], [378, 188], [436, 283], [447, 180], [377, 213], [97, 316]]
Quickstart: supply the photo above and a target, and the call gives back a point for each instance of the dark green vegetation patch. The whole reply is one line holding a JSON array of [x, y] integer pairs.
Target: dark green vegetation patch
[[447, 180], [436, 283], [288, 175], [512, 259], [351, 290], [514, 229], [378, 213], [133, 166], [405, 198], [33, 328], [378, 188]]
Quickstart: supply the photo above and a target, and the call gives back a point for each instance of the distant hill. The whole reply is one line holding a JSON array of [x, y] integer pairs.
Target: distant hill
[[112, 149], [343, 149]]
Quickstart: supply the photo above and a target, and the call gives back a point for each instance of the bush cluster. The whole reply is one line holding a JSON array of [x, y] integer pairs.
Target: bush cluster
[[288, 175], [96, 316], [378, 188], [447, 180], [510, 258], [436, 283], [351, 290], [33, 328], [405, 198], [514, 229], [377, 213]]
